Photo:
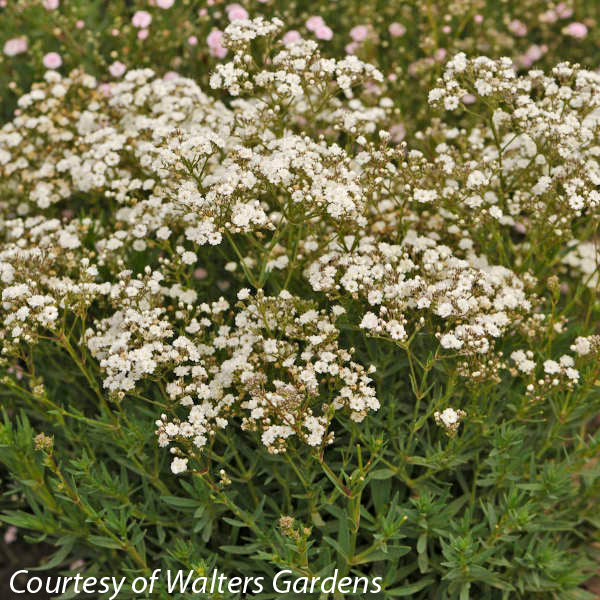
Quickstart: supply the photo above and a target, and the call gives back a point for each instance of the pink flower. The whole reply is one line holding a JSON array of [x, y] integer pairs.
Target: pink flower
[[15, 46], [535, 52], [525, 61], [313, 23], [50, 4], [324, 33], [440, 54], [576, 30], [117, 69], [563, 11], [518, 28], [114, 32], [104, 89], [468, 99], [393, 77], [214, 44], [10, 535], [291, 37], [170, 76], [359, 33], [200, 273], [79, 24], [214, 38], [236, 12], [52, 60], [192, 40], [142, 34], [397, 132], [397, 29], [202, 12], [218, 51], [164, 4], [478, 18], [141, 19], [446, 29], [351, 47], [548, 17]]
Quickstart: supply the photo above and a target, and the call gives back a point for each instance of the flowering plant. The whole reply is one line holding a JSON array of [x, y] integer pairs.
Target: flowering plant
[[247, 328]]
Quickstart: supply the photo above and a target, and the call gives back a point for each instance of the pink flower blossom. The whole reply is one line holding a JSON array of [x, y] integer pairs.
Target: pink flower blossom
[[214, 38], [351, 48], [15, 46], [525, 61], [164, 4], [563, 11], [117, 69], [397, 132], [170, 75], [291, 37], [478, 18], [79, 24], [359, 33], [142, 34], [517, 27], [576, 30], [397, 29], [235, 12], [214, 44], [10, 535], [446, 29], [313, 23], [549, 16], [104, 89], [202, 12], [141, 19], [440, 54], [50, 4], [324, 33], [535, 52], [192, 40], [52, 60], [218, 51]]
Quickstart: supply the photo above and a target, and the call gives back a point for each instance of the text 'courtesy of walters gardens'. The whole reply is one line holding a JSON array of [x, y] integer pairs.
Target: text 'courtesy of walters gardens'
[[189, 582]]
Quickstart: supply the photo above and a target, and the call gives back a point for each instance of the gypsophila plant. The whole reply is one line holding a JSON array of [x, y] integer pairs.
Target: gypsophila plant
[[247, 327]]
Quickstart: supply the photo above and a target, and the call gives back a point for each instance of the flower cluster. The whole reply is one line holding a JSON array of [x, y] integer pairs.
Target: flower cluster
[[449, 419], [536, 161], [267, 365], [293, 179], [421, 284]]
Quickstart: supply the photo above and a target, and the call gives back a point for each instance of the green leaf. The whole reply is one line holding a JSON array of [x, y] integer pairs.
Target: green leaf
[[57, 558], [382, 474], [105, 542], [180, 502]]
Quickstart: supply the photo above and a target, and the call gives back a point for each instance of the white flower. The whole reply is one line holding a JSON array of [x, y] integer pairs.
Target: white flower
[[179, 465], [369, 321]]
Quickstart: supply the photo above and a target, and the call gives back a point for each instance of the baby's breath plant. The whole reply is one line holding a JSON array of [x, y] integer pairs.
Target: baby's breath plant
[[246, 328]]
